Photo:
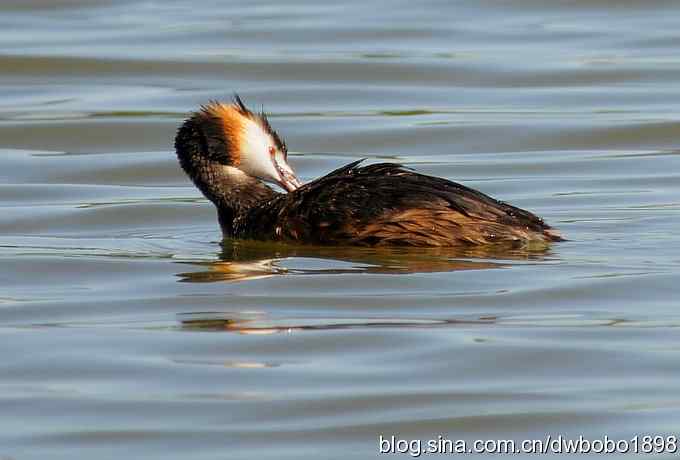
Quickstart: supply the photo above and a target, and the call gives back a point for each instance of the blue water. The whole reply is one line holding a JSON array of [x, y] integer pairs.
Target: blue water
[[128, 331]]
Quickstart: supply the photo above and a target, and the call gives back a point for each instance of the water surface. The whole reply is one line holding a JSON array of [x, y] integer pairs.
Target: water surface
[[127, 329]]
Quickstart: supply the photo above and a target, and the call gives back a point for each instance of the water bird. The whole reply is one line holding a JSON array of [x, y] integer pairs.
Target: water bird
[[229, 152]]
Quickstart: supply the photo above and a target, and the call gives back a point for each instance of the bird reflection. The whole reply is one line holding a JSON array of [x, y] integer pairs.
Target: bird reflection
[[255, 323], [250, 260]]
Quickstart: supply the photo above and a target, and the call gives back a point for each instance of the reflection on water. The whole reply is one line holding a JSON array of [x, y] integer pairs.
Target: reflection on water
[[249, 260], [254, 323], [569, 109]]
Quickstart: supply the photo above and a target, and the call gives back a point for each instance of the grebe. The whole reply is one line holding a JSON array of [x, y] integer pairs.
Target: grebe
[[228, 151]]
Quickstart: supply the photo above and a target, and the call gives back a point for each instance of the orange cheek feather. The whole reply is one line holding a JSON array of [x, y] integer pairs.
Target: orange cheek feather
[[232, 124]]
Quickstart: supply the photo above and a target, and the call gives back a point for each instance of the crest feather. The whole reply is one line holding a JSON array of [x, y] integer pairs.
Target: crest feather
[[225, 125], [263, 121]]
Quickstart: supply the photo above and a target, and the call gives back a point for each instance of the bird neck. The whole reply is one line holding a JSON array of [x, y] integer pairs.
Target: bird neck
[[231, 191]]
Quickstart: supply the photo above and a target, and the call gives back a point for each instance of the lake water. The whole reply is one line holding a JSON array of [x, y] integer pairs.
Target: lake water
[[127, 331]]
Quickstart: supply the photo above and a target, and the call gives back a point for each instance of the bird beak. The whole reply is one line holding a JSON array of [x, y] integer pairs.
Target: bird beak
[[290, 182], [287, 178]]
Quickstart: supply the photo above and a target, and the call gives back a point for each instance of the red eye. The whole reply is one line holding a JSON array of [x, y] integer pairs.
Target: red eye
[[272, 151]]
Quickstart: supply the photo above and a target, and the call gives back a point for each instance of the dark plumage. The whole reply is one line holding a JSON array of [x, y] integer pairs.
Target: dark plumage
[[375, 205], [386, 204]]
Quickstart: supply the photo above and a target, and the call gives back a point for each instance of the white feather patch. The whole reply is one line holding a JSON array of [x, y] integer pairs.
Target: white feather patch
[[255, 158]]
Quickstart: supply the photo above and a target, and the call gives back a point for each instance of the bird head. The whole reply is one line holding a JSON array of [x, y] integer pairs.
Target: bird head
[[238, 138]]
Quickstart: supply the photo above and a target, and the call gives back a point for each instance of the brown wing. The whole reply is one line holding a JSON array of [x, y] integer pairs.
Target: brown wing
[[386, 204]]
